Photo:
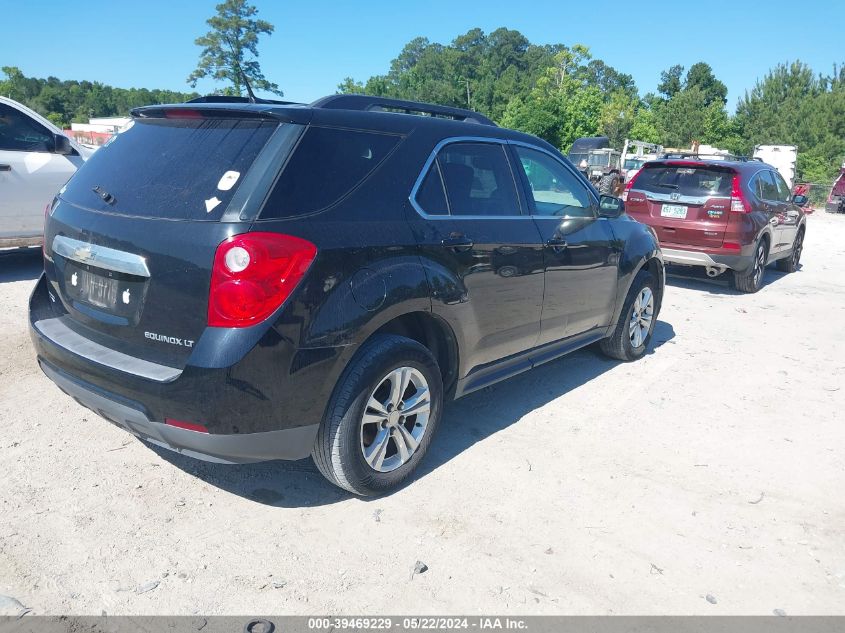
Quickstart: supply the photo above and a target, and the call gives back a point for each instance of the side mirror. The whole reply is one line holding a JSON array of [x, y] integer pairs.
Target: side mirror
[[61, 145], [610, 207], [799, 199]]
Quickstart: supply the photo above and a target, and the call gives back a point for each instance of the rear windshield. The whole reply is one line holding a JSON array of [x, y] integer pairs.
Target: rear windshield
[[180, 169], [686, 181]]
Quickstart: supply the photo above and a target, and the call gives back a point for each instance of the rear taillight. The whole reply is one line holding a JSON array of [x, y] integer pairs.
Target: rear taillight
[[738, 202], [253, 274], [47, 211], [628, 186]]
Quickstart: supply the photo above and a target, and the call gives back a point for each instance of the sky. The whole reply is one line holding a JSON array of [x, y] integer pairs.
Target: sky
[[316, 44]]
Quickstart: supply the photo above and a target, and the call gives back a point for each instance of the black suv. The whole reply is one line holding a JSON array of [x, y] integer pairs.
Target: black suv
[[254, 281]]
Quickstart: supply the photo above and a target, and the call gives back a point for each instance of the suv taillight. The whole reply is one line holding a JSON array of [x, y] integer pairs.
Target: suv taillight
[[628, 186], [738, 202], [253, 274]]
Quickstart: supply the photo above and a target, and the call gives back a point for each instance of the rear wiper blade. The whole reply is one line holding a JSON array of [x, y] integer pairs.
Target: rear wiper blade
[[105, 195], [667, 185]]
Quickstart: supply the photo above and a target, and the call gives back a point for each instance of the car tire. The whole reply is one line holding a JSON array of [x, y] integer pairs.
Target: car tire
[[608, 184], [790, 264], [359, 447], [627, 343], [752, 280]]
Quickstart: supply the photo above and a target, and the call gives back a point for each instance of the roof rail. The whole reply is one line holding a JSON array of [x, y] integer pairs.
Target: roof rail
[[385, 104]]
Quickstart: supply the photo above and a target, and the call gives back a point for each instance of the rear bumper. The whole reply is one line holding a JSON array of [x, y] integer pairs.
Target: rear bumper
[[294, 443], [259, 400], [682, 257], [835, 206]]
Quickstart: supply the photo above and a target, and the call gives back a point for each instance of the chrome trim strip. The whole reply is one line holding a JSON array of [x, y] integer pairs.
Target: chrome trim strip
[[100, 256], [60, 334], [667, 197]]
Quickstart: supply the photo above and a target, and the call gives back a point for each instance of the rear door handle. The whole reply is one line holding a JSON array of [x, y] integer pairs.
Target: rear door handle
[[5, 168], [458, 242]]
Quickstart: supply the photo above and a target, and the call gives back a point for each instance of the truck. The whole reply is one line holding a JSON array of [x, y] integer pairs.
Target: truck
[[781, 157], [601, 164]]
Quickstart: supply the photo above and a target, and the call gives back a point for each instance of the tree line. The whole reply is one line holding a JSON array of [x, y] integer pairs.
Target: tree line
[[69, 101], [554, 91], [561, 92]]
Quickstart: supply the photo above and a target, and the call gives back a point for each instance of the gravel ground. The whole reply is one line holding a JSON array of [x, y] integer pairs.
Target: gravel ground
[[705, 479]]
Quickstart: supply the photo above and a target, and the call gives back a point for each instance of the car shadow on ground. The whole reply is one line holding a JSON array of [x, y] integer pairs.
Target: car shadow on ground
[[20, 265], [465, 422], [696, 279]]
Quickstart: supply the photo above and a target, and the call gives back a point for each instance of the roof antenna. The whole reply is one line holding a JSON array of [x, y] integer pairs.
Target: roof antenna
[[249, 91]]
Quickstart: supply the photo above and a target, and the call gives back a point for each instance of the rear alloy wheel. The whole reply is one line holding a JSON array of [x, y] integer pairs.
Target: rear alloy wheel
[[381, 417], [751, 280], [790, 264], [633, 331]]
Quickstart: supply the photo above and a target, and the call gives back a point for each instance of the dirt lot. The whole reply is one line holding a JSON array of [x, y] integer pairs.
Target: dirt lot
[[713, 467]]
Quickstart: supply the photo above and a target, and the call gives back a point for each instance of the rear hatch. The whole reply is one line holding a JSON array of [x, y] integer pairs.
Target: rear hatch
[[130, 242], [687, 203]]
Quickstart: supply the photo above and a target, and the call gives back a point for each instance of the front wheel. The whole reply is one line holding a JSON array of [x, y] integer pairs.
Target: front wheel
[[632, 335], [382, 416], [790, 264]]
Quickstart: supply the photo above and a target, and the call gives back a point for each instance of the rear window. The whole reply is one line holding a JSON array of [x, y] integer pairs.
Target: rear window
[[327, 164], [685, 180], [180, 169]]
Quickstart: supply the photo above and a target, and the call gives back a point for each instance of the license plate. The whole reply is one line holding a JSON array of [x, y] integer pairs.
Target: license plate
[[97, 290], [673, 211]]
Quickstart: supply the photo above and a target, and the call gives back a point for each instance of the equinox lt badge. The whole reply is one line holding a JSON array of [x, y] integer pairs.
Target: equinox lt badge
[[168, 339]]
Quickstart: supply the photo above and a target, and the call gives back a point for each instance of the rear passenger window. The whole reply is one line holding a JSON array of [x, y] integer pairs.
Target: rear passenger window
[[767, 188], [431, 197], [326, 165], [478, 179]]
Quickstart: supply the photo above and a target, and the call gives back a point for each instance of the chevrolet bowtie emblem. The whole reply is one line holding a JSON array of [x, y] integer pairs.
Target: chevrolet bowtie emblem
[[84, 254]]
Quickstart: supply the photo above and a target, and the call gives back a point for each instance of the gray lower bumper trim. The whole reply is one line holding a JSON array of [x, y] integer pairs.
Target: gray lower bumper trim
[[63, 336], [293, 443], [690, 258]]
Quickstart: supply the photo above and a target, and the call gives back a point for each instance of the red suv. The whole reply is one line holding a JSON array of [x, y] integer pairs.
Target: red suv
[[723, 215]]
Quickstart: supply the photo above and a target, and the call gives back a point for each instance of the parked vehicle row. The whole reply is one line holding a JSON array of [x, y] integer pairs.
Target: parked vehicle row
[[242, 281]]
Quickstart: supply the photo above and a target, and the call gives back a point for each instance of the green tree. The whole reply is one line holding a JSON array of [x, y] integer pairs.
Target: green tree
[[560, 108], [230, 48], [670, 81], [701, 76]]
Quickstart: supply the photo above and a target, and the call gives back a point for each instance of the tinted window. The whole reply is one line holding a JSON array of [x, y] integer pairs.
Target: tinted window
[[431, 196], [327, 164], [181, 169], [784, 194], [556, 191], [767, 188], [478, 179], [686, 180], [20, 133]]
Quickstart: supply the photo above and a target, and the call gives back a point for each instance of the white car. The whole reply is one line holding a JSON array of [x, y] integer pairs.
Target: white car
[[36, 160]]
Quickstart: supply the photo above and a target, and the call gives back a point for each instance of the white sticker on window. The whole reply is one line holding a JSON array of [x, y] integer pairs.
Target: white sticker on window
[[211, 204], [228, 180]]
